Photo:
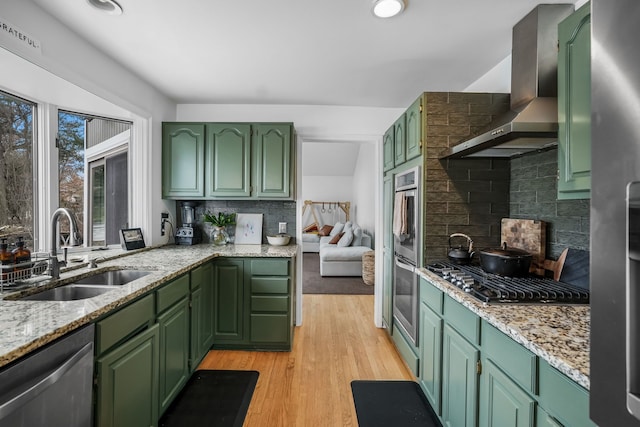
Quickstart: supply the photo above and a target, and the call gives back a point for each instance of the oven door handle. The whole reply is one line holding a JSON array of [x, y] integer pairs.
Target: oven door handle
[[404, 266]]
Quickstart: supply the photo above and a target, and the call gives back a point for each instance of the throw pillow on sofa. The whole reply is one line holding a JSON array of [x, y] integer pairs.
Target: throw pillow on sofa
[[336, 238], [325, 230], [357, 236], [346, 239], [337, 229]]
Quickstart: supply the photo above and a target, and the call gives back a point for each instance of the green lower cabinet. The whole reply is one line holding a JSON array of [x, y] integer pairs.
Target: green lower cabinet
[[174, 351], [430, 356], [545, 420], [254, 303], [459, 380], [502, 402], [228, 301], [202, 307], [127, 383], [563, 399]]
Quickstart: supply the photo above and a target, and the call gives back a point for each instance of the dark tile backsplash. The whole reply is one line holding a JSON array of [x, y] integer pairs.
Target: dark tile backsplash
[[273, 212], [534, 195], [467, 196]]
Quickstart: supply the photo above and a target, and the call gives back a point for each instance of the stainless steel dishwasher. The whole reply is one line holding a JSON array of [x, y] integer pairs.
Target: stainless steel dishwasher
[[52, 386]]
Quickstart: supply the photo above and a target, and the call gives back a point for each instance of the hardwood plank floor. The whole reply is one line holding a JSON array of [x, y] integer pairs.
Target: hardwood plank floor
[[311, 385]]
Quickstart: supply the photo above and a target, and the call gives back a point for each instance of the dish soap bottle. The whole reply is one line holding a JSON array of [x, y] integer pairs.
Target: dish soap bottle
[[6, 261], [22, 258]]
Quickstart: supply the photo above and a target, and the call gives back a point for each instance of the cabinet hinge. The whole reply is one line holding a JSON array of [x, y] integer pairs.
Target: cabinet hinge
[[95, 380], [421, 108], [479, 367]]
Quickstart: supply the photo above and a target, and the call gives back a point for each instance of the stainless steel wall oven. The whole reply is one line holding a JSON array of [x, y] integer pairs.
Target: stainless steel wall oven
[[406, 239]]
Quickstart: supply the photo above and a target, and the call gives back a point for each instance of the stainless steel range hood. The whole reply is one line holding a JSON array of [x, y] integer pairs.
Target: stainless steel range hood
[[532, 123]]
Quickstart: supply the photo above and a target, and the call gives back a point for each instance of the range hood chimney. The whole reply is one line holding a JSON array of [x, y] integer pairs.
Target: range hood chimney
[[532, 122]]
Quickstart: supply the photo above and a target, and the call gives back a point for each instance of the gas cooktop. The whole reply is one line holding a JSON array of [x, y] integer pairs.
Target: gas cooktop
[[492, 288]]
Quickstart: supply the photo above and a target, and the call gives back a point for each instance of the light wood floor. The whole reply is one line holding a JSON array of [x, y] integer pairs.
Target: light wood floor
[[310, 386]]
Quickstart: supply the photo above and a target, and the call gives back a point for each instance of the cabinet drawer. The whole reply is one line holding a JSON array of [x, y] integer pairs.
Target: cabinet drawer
[[269, 267], [269, 285], [173, 292], [431, 295], [271, 304], [462, 319], [512, 358], [269, 328], [124, 323], [562, 398]]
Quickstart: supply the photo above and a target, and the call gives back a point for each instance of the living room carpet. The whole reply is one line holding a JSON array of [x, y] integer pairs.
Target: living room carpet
[[313, 283], [392, 403], [212, 398]]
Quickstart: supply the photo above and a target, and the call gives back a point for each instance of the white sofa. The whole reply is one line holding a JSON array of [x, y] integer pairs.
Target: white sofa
[[336, 260]]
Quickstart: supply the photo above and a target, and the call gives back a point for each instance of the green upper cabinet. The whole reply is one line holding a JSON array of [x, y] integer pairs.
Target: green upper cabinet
[[272, 146], [414, 129], [387, 150], [400, 141], [228, 160], [183, 160], [403, 140], [574, 105]]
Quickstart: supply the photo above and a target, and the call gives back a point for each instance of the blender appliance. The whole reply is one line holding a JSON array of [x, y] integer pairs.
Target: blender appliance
[[189, 233]]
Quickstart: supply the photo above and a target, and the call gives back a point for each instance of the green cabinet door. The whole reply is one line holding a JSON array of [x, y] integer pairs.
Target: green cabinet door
[[228, 301], [228, 160], [502, 402], [201, 313], [272, 152], [174, 351], [459, 380], [430, 355], [387, 150], [387, 267], [414, 129], [574, 105], [399, 141], [545, 420], [127, 384], [183, 160]]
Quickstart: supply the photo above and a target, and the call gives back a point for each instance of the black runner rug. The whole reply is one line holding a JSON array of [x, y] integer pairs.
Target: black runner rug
[[212, 398], [392, 403]]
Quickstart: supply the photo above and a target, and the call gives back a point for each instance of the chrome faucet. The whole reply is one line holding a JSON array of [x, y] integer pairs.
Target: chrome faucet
[[54, 269]]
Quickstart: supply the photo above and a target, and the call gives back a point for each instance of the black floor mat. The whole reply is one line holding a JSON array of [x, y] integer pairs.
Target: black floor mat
[[212, 398], [392, 403]]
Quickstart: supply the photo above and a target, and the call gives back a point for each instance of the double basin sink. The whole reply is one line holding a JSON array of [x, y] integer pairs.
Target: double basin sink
[[86, 287]]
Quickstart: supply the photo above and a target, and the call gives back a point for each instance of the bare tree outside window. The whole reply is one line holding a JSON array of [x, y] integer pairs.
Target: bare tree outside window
[[70, 141], [16, 168]]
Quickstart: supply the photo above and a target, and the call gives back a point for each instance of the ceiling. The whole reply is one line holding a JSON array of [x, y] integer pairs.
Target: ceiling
[[300, 52]]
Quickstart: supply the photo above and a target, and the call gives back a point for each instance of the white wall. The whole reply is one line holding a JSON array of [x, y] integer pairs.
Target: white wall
[[69, 59], [363, 207]]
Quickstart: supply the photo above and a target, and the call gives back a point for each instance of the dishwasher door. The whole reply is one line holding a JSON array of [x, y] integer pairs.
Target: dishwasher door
[[52, 386]]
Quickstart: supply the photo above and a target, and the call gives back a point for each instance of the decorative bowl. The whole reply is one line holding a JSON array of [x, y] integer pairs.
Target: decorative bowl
[[278, 239]]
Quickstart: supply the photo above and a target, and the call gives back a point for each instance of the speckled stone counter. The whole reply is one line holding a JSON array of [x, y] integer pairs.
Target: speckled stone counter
[[558, 334], [27, 325]]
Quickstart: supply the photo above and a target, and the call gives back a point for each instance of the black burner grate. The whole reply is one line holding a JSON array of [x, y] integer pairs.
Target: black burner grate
[[494, 288]]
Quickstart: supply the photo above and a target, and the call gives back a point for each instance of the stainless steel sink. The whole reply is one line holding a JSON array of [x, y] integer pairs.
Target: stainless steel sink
[[112, 277], [86, 287], [69, 293]]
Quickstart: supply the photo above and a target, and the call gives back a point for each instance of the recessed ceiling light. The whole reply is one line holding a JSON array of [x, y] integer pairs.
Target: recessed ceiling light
[[107, 6], [387, 8]]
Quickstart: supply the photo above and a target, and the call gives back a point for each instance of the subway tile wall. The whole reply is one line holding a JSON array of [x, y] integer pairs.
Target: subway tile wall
[[467, 196], [533, 194], [273, 212]]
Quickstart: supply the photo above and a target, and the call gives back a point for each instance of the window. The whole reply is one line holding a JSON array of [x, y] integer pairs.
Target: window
[[17, 197], [93, 179]]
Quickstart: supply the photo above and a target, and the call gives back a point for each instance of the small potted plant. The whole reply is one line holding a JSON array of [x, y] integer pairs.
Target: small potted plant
[[219, 235]]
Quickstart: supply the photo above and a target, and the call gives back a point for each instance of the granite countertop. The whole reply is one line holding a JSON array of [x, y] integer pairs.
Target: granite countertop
[[28, 325], [559, 334]]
